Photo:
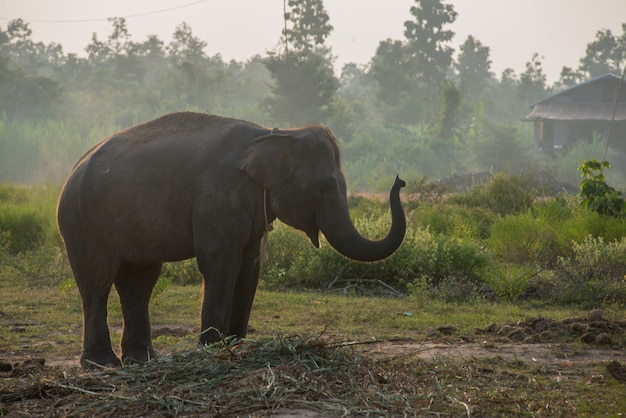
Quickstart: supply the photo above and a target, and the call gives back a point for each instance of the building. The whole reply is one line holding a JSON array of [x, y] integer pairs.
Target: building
[[579, 112]]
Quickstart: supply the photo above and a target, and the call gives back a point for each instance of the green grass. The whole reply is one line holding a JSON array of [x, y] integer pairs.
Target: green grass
[[28, 314], [45, 322]]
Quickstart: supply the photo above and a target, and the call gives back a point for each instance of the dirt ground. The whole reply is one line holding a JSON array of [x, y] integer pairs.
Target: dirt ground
[[589, 349]]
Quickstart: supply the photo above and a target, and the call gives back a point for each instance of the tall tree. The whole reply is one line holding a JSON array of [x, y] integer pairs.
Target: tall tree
[[428, 40], [310, 25], [185, 46], [392, 67], [24, 92], [304, 79], [606, 54], [532, 82], [474, 67]]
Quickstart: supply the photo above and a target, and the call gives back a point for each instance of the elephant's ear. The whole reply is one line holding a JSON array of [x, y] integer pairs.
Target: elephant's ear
[[269, 160]]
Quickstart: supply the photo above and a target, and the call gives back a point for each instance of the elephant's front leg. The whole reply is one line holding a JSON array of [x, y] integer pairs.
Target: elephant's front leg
[[220, 270], [245, 290]]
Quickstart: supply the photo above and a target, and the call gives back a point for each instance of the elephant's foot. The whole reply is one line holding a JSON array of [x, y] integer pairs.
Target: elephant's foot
[[138, 355], [100, 360]]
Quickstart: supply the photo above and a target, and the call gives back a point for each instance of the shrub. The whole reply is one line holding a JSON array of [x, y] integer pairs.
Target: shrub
[[45, 266], [453, 220], [182, 273], [294, 263], [525, 239], [510, 281], [502, 194], [23, 225], [594, 275], [596, 194], [449, 289]]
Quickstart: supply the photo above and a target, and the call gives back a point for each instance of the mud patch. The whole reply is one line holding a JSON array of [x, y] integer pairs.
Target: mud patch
[[173, 331]]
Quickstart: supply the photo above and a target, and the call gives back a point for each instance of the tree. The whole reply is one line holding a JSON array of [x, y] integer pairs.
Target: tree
[[569, 78], [391, 68], [23, 95], [474, 67], [532, 82], [24, 92], [32, 57], [606, 54], [304, 80], [427, 40], [185, 46], [310, 25]]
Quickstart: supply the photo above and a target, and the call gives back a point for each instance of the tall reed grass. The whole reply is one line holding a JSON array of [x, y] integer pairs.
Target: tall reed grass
[[44, 151]]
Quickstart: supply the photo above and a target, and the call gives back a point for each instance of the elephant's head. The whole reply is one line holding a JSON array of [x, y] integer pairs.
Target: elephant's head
[[301, 170]]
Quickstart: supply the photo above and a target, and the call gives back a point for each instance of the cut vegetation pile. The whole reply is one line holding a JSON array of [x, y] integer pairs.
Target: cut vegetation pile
[[234, 378], [295, 376]]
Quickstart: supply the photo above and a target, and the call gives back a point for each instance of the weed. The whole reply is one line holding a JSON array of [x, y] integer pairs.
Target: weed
[[596, 194]]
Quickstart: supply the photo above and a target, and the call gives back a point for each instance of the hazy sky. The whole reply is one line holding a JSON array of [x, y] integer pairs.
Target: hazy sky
[[558, 30]]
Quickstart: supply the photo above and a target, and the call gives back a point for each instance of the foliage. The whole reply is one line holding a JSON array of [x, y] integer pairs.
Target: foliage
[[474, 68], [310, 25], [596, 194], [427, 40], [26, 216], [182, 273], [525, 238], [304, 83], [594, 275], [497, 148], [45, 266], [606, 54], [304, 80], [409, 73], [502, 193], [450, 101], [294, 263]]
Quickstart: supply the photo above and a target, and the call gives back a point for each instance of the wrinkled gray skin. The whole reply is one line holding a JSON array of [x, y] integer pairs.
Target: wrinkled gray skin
[[192, 185]]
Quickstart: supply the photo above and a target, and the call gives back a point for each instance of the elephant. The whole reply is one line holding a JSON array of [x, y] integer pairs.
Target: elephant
[[197, 185]]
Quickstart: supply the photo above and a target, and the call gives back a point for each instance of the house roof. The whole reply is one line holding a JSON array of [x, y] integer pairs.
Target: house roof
[[578, 111], [575, 103]]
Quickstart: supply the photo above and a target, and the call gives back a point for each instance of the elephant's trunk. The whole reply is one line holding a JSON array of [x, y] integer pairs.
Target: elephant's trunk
[[343, 236]]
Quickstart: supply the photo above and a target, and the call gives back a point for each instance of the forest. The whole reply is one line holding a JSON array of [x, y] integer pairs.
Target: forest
[[418, 108], [487, 212]]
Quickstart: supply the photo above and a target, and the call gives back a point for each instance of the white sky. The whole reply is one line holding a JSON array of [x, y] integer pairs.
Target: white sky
[[558, 30]]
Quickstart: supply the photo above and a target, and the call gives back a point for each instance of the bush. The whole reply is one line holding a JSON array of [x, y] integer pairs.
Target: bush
[[594, 275], [182, 272], [294, 263], [454, 221], [24, 227], [502, 194], [45, 266], [596, 194], [525, 239]]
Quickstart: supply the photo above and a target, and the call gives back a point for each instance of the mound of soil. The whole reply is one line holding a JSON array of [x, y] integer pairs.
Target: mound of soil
[[591, 329]]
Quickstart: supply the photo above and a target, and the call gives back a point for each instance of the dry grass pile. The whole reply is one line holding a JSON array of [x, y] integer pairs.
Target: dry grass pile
[[284, 375], [228, 379]]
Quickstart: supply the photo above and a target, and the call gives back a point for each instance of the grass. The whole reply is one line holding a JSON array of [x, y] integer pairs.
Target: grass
[[286, 365], [27, 314], [40, 317]]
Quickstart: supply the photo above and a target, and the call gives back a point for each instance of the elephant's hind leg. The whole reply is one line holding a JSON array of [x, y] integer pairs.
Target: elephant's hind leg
[[134, 284], [94, 279]]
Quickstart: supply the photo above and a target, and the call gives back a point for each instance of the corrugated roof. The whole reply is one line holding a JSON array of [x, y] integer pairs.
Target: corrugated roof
[[611, 77], [577, 111]]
